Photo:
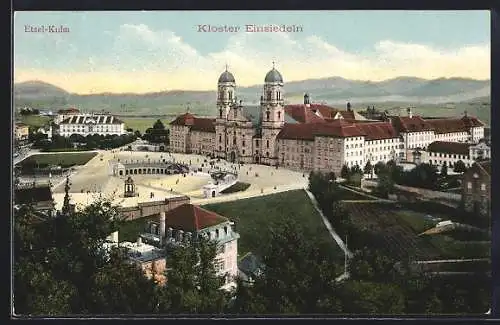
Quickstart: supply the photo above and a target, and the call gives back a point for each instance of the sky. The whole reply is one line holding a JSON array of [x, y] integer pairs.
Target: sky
[[147, 51]]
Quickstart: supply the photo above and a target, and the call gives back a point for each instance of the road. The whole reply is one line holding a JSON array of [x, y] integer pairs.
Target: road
[[453, 261]]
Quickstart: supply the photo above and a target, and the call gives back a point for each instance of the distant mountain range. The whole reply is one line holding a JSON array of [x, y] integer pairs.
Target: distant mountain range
[[334, 91]]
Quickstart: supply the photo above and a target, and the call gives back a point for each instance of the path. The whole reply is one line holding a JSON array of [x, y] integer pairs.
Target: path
[[335, 236], [453, 261]]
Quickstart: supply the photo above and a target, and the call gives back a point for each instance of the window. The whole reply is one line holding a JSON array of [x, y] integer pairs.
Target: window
[[243, 143], [267, 143], [483, 187], [220, 138], [216, 233], [279, 115], [469, 185]]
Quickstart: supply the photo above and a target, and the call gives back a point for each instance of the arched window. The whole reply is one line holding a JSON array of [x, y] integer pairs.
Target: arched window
[[230, 95], [220, 138], [267, 143], [267, 115], [279, 115], [225, 230], [216, 233], [267, 154], [234, 140]]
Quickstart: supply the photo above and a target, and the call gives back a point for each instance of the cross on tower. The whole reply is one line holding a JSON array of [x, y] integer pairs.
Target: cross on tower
[[273, 64], [226, 66]]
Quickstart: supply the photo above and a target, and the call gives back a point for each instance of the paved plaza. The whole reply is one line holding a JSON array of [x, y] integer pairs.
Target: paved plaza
[[94, 180]]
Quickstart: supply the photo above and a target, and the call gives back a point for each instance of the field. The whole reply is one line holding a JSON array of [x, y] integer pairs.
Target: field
[[254, 216], [34, 121], [60, 159], [389, 231], [396, 231], [142, 123]]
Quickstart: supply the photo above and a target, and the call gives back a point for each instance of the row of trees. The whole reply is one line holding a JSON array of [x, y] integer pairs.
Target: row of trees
[[89, 142]]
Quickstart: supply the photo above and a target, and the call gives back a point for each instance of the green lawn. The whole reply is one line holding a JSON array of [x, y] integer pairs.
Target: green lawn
[[451, 248], [254, 216], [415, 220], [34, 121], [237, 187], [61, 159], [142, 124]]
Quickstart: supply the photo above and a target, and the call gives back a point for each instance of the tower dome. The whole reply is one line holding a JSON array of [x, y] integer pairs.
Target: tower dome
[[273, 76], [226, 76]]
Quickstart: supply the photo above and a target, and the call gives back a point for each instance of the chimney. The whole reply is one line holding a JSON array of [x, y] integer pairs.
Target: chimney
[[162, 226], [307, 100], [410, 114], [139, 241]]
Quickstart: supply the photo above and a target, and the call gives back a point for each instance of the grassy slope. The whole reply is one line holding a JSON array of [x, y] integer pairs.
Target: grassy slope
[[254, 216]]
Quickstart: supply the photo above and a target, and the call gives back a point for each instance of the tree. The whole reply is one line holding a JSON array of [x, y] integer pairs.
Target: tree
[[298, 277], [66, 208], [193, 283], [137, 133], [379, 167], [344, 172], [385, 184], [61, 266], [459, 167], [368, 169], [158, 125], [444, 170]]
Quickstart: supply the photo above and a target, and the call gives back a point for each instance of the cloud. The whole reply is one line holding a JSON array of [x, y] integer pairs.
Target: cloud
[[141, 59]]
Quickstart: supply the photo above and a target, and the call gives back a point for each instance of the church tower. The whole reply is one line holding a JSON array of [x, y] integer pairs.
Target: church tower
[[225, 100], [225, 93], [272, 114]]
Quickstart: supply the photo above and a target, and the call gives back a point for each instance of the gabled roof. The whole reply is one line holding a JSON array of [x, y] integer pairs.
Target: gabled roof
[[308, 114], [411, 124], [195, 123], [458, 148], [450, 125], [97, 119], [378, 130], [189, 217]]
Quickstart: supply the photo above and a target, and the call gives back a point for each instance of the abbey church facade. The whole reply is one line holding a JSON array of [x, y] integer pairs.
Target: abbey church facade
[[308, 136]]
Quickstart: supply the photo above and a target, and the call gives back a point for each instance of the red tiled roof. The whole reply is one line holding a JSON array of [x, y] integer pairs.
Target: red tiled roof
[[297, 131], [449, 125], [303, 114], [348, 115], [195, 123], [378, 130], [449, 147], [338, 128], [189, 217], [411, 124]]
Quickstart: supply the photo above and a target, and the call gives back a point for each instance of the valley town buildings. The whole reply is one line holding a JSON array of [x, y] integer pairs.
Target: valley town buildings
[[71, 121], [311, 136]]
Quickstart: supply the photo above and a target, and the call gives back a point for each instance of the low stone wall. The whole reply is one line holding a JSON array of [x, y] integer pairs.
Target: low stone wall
[[146, 209]]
